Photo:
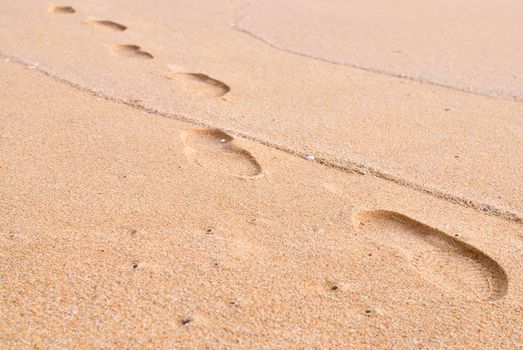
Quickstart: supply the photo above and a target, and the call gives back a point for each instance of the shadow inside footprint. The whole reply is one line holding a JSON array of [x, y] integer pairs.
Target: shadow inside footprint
[[127, 50], [61, 9], [215, 150], [439, 257], [107, 24], [201, 84]]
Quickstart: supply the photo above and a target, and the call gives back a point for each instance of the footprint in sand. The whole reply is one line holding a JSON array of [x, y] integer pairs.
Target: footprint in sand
[[61, 9], [127, 50], [199, 83], [441, 258], [107, 24], [216, 150]]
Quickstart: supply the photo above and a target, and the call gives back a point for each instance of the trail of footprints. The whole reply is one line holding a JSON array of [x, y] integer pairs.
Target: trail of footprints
[[440, 258], [194, 82]]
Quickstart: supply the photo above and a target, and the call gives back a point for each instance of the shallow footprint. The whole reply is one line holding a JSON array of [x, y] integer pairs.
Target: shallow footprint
[[107, 24], [439, 257], [61, 9], [128, 50], [201, 84], [215, 150]]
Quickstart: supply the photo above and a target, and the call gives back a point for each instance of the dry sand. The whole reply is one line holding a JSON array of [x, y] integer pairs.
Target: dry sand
[[172, 182]]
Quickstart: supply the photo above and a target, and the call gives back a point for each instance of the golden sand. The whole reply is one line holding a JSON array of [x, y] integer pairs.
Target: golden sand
[[171, 181]]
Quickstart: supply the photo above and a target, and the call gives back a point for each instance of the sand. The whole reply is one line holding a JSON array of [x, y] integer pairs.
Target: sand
[[468, 45], [170, 181], [429, 137]]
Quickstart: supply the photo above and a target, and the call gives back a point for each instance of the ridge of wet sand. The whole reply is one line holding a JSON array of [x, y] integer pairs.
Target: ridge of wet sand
[[353, 167]]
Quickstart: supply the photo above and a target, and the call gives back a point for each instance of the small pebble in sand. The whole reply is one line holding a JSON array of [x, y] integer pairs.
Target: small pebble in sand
[[223, 140], [310, 157], [234, 303], [487, 208], [186, 320]]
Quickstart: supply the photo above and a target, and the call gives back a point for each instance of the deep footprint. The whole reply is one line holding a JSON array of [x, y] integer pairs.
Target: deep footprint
[[201, 84], [61, 9], [215, 150], [439, 257], [107, 24], [127, 50]]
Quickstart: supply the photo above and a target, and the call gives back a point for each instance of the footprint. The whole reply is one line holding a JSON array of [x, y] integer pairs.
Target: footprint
[[200, 83], [214, 149], [439, 257], [61, 9], [130, 51], [107, 24]]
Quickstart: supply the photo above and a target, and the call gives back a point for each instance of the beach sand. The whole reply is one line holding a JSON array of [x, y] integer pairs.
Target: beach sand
[[195, 175]]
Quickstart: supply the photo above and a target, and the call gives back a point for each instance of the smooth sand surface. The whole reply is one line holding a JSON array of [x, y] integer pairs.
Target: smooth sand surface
[[467, 44], [163, 187]]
